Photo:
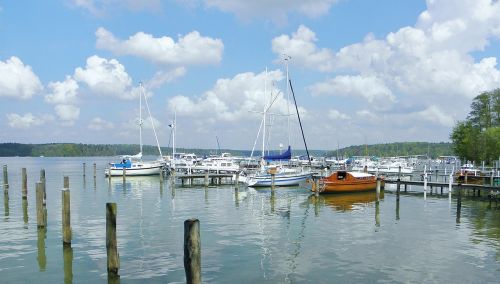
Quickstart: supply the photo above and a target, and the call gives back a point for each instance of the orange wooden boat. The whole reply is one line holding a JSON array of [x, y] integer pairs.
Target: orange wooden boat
[[344, 181]]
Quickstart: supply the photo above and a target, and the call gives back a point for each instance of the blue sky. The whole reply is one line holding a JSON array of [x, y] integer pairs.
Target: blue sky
[[363, 71]]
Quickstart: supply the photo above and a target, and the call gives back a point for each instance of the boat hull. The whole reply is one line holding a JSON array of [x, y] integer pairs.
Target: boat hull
[[280, 180], [147, 171], [332, 187]]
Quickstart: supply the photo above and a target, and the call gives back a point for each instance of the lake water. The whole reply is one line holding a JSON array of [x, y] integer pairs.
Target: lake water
[[247, 235]]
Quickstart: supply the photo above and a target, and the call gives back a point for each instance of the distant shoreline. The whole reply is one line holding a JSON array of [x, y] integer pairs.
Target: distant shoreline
[[101, 150]]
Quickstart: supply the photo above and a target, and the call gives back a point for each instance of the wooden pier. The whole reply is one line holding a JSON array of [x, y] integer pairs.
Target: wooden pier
[[208, 178]]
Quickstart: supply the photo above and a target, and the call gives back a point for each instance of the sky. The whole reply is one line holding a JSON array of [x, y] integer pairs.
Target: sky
[[362, 71]]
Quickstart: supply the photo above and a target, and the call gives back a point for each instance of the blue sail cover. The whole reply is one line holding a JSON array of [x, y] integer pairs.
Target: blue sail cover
[[287, 155]]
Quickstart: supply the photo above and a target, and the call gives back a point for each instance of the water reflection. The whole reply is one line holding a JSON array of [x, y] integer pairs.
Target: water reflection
[[41, 257], [6, 203], [345, 202], [25, 212], [68, 263]]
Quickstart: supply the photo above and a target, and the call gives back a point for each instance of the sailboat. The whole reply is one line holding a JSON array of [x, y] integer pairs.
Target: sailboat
[[283, 176], [133, 165]]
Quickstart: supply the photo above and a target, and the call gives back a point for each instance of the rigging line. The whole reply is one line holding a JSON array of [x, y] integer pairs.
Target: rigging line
[[152, 123], [256, 138], [300, 123]]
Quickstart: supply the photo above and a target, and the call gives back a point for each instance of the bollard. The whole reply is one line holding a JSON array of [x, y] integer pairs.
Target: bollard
[[24, 182], [111, 245], [42, 180], [66, 213], [273, 176], [66, 217], [40, 218], [378, 188], [425, 186], [192, 251], [450, 187], [5, 178]]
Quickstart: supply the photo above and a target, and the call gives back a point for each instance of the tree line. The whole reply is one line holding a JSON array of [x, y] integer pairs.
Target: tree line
[[477, 138]]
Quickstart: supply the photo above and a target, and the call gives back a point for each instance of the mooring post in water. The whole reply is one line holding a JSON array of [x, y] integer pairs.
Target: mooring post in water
[[206, 179], [24, 183], [425, 186], [44, 189], [450, 187], [273, 177], [459, 201], [5, 179], [66, 213], [192, 251], [84, 170], [124, 173], [379, 182], [111, 245], [237, 179], [40, 218]]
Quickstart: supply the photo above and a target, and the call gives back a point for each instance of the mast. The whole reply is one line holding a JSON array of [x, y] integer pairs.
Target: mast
[[264, 119], [140, 120], [173, 140], [151, 120], [300, 123], [287, 57]]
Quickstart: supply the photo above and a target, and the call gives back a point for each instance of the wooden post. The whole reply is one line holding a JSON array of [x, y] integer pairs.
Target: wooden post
[[111, 245], [124, 173], [6, 203], [66, 217], [450, 187], [273, 177], [95, 170], [83, 170], [68, 264], [425, 186], [192, 251], [5, 179], [237, 179], [66, 213], [379, 182], [24, 181], [437, 176], [206, 178], [25, 211], [459, 202], [41, 257], [398, 188], [40, 218], [42, 180]]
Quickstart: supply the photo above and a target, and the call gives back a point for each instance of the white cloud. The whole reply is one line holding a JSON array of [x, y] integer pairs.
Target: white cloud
[[435, 114], [26, 121], [18, 80], [303, 50], [337, 115], [102, 7], [191, 49], [232, 99], [105, 77], [67, 113], [62, 92], [276, 11], [162, 77], [370, 88], [98, 124]]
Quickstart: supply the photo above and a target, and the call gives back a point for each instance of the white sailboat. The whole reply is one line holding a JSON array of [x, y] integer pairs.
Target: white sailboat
[[283, 176], [133, 165]]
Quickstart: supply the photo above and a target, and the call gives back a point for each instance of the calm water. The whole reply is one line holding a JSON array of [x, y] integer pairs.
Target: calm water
[[247, 236]]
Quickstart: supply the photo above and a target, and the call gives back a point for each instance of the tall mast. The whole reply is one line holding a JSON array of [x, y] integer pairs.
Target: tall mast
[[151, 120], [140, 120], [173, 139], [287, 58], [264, 119]]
